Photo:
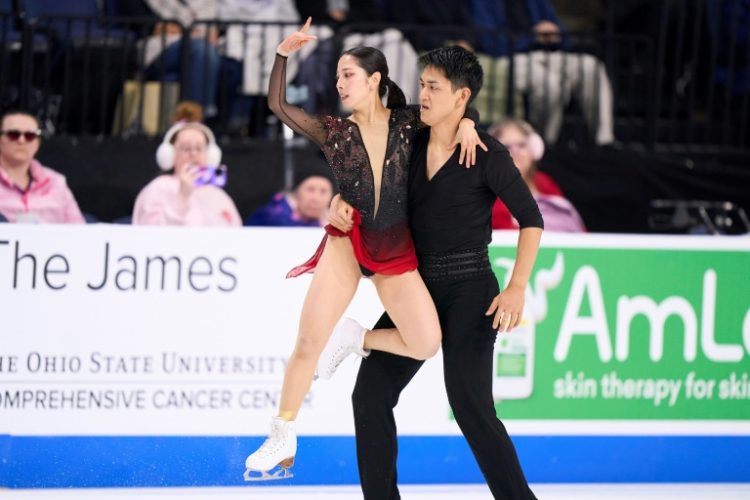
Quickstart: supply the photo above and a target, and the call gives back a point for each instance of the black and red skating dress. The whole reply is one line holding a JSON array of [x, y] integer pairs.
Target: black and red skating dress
[[381, 240]]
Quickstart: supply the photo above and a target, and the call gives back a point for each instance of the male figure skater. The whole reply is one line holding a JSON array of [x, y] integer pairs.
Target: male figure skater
[[450, 211]]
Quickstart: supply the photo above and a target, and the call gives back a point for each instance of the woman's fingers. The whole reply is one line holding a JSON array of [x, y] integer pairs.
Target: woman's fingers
[[306, 26]]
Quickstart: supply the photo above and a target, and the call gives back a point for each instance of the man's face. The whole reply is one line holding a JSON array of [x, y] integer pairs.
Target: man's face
[[437, 99], [15, 149], [313, 196]]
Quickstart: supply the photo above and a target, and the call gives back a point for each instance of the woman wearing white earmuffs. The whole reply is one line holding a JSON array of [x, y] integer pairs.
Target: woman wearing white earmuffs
[[191, 194], [526, 148]]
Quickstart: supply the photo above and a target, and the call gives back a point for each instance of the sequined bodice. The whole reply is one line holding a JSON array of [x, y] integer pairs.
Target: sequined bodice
[[382, 242], [345, 151]]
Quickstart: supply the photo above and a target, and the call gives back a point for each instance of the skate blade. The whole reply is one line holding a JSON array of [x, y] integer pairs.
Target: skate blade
[[272, 475]]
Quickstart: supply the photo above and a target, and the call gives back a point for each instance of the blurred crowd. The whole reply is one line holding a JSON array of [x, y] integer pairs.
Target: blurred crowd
[[189, 192], [216, 56]]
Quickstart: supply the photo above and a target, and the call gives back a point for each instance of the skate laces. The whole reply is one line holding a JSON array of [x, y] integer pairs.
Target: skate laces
[[340, 355], [347, 339], [272, 443]]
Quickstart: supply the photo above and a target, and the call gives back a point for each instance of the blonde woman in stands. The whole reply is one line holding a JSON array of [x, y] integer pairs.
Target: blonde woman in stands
[[190, 193]]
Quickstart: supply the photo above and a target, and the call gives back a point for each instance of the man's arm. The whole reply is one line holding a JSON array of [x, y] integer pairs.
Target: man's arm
[[508, 305], [505, 180], [526, 252]]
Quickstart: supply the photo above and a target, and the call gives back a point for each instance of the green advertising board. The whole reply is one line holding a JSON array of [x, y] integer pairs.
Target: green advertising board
[[628, 333]]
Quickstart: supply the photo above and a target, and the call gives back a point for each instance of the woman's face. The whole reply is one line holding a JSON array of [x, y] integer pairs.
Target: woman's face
[[190, 149], [355, 88], [516, 141], [18, 151]]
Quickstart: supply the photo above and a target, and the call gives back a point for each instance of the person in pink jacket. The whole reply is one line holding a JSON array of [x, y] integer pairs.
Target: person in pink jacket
[[29, 191], [186, 197]]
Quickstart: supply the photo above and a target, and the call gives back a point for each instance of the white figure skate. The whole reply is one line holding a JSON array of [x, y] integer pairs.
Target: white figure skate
[[348, 337], [275, 456]]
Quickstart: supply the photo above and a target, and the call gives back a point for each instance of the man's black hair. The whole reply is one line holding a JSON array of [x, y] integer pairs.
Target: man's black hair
[[459, 65]]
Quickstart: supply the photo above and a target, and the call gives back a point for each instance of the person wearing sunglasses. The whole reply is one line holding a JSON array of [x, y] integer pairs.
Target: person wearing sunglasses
[[29, 191]]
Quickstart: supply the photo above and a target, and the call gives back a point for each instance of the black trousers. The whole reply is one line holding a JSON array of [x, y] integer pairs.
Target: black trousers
[[468, 344]]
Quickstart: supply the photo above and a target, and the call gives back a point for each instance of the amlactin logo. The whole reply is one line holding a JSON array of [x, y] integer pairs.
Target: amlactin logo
[[586, 284]]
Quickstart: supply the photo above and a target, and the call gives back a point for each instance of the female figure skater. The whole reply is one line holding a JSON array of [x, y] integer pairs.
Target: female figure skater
[[368, 153]]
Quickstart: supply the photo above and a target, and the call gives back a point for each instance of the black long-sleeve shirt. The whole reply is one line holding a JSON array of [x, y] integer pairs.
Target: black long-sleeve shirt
[[453, 210]]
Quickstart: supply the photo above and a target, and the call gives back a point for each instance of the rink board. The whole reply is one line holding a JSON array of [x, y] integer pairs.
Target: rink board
[[90, 462], [153, 357]]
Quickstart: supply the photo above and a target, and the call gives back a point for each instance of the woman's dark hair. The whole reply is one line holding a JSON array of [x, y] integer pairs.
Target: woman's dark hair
[[371, 60], [16, 112]]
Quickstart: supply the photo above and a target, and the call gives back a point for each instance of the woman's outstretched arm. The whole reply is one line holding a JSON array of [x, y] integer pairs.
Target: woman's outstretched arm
[[291, 115]]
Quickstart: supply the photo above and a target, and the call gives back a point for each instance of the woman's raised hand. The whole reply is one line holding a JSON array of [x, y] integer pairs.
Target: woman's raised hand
[[296, 40]]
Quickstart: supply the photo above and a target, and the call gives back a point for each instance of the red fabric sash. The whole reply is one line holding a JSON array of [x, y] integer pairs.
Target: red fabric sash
[[396, 265]]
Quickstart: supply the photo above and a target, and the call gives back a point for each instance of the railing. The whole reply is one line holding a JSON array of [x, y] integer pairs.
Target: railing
[[585, 88], [701, 72], [684, 88]]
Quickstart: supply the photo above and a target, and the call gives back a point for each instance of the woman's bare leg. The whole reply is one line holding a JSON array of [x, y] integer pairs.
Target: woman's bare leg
[[333, 285], [410, 306]]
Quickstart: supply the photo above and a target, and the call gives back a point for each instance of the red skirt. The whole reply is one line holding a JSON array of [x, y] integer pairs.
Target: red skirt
[[383, 252]]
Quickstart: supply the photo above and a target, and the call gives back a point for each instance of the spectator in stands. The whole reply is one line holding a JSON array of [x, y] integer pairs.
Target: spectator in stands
[[306, 205], [29, 191], [431, 13], [248, 55], [253, 47], [526, 148], [164, 50], [341, 11], [543, 67], [580, 15], [189, 196]]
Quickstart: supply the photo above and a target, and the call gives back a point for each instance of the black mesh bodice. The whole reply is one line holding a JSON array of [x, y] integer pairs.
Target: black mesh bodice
[[342, 144], [345, 150]]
